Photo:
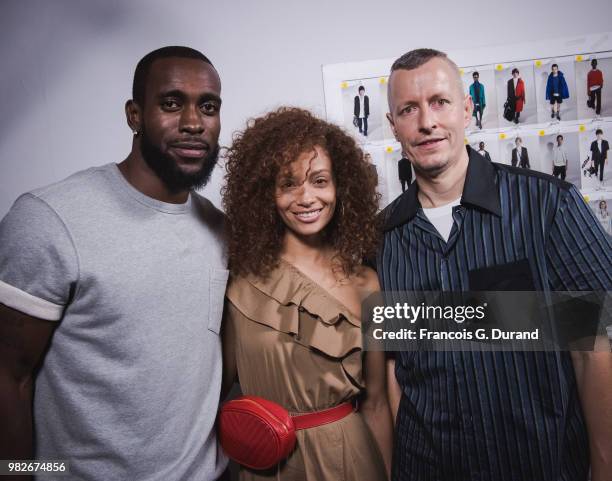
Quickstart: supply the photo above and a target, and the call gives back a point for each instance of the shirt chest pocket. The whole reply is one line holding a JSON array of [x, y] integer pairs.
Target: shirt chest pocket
[[513, 276], [216, 295]]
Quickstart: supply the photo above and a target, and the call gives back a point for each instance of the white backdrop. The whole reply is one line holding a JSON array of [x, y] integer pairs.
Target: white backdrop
[[67, 66]]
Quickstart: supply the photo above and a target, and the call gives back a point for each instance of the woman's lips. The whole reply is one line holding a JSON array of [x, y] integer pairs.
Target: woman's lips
[[308, 217]]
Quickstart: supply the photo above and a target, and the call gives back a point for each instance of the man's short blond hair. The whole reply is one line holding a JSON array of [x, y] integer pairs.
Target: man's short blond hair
[[420, 56]]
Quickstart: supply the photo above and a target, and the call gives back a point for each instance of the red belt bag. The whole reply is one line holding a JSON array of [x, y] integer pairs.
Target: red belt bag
[[258, 433]]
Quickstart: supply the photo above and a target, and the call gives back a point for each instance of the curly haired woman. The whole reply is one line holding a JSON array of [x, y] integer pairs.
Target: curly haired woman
[[301, 203]]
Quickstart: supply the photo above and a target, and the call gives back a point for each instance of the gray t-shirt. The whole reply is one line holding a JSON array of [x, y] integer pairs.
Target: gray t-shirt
[[129, 388]]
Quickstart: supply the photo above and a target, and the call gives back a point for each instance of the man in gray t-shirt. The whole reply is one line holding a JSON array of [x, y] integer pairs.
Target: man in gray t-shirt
[[111, 295]]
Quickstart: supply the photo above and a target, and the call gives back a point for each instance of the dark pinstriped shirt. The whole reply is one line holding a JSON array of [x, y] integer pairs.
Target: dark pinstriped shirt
[[493, 415]]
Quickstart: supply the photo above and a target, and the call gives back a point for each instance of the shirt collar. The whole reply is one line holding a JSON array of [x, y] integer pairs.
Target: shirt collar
[[480, 190]]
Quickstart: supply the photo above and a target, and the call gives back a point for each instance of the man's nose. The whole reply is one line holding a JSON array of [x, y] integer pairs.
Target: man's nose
[[191, 120], [426, 119]]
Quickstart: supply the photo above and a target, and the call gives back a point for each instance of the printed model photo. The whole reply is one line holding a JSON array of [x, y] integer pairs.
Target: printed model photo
[[480, 86], [399, 173], [363, 103], [594, 149], [560, 156], [593, 94], [520, 151], [516, 95], [488, 148], [603, 211], [556, 90]]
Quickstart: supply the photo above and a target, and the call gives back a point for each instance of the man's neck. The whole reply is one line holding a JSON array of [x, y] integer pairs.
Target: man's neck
[[144, 179], [444, 187]]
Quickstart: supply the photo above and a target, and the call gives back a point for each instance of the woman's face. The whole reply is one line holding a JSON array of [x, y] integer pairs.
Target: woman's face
[[306, 193], [603, 205]]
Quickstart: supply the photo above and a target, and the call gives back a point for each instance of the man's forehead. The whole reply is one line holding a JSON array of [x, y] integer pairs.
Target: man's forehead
[[434, 76], [178, 73]]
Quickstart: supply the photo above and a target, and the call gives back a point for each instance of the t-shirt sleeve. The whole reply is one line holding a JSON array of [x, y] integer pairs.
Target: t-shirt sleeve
[[579, 251], [38, 261]]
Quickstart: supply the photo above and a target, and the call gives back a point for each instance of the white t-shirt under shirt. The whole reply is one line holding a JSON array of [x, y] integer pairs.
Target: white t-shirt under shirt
[[442, 217]]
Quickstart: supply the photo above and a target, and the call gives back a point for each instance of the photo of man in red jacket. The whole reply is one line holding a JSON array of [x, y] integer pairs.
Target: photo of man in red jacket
[[594, 86]]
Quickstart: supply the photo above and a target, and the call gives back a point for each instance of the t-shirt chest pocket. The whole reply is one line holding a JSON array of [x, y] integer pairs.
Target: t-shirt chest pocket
[[216, 295]]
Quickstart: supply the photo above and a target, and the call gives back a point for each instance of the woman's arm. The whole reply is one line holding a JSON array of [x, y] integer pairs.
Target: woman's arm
[[375, 406], [228, 336], [394, 392], [375, 403]]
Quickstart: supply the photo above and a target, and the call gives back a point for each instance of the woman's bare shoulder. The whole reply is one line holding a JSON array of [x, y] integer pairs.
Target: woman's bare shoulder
[[366, 280]]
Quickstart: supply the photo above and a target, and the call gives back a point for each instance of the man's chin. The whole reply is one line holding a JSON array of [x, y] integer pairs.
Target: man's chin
[[431, 167], [179, 176]]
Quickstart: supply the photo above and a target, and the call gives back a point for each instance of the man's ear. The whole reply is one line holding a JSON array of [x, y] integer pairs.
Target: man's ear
[[467, 110], [133, 116]]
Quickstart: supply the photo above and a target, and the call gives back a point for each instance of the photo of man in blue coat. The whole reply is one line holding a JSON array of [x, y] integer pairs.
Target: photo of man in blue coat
[[556, 91], [477, 92]]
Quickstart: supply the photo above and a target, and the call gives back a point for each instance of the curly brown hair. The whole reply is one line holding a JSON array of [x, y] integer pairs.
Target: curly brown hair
[[257, 155]]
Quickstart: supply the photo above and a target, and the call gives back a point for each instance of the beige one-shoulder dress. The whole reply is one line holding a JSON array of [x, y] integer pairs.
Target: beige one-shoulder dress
[[298, 346]]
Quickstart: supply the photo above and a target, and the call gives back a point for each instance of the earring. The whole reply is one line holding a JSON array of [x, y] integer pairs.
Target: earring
[[135, 132]]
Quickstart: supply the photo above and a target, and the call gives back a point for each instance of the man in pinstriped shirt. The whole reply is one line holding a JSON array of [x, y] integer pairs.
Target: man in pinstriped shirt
[[469, 224]]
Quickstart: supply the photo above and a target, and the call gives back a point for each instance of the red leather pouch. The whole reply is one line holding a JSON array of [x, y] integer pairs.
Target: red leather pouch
[[255, 432]]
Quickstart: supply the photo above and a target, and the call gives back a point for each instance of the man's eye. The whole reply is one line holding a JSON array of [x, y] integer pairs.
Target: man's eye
[[442, 101], [170, 104], [408, 109], [210, 108]]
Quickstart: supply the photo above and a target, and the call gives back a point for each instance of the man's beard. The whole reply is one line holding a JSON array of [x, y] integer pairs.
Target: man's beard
[[170, 174]]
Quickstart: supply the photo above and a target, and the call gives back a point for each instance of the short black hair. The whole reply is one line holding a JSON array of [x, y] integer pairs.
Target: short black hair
[[144, 66], [554, 65], [515, 70], [416, 58], [599, 131], [518, 138], [594, 63], [475, 73], [559, 137], [361, 87]]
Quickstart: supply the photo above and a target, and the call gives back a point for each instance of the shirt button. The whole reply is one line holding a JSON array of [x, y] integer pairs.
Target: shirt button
[[301, 308]]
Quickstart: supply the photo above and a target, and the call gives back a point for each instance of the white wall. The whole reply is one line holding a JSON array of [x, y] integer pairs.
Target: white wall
[[67, 65]]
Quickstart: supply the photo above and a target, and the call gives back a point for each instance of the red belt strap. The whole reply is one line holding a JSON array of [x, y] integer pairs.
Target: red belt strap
[[312, 420]]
